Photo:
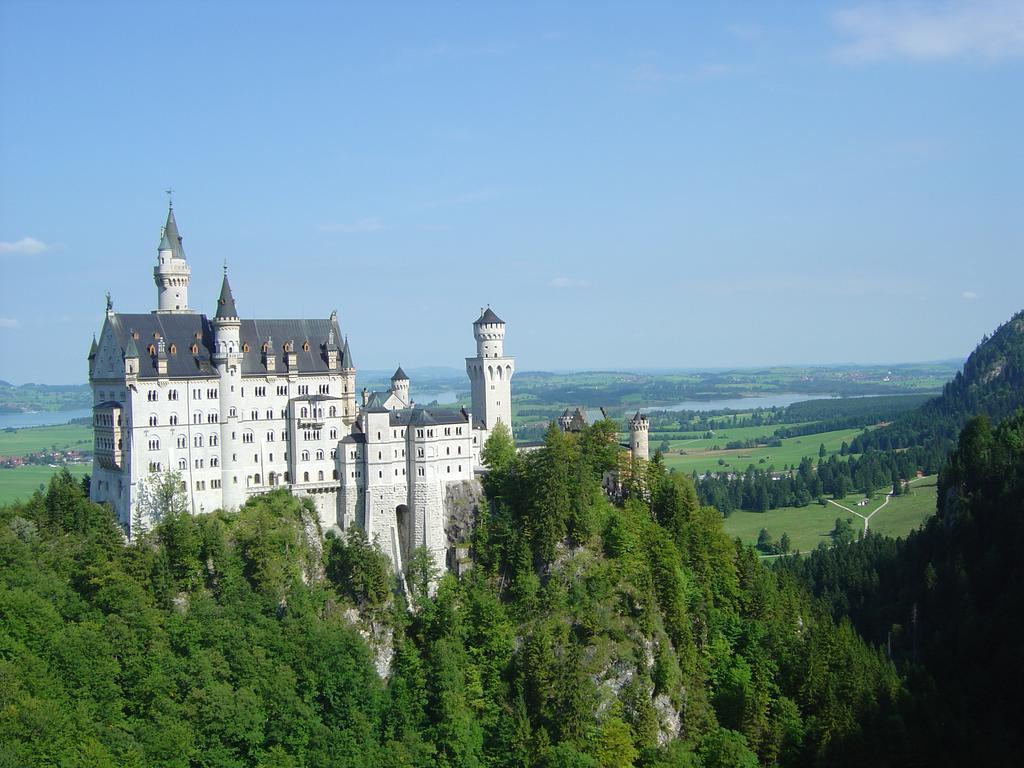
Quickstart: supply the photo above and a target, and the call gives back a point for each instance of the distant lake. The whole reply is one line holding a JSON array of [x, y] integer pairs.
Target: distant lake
[[42, 418], [780, 400]]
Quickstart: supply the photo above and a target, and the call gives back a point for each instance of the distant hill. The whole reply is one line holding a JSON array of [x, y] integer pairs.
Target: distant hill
[[991, 384], [43, 397]]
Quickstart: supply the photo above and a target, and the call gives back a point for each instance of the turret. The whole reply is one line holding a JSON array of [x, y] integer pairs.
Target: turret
[[348, 385], [171, 273], [490, 373], [638, 436], [93, 349], [227, 357], [400, 385], [332, 352], [131, 358]]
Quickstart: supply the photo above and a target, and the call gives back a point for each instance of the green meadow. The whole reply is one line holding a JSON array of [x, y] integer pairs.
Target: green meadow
[[20, 442], [21, 482], [698, 454], [809, 526]]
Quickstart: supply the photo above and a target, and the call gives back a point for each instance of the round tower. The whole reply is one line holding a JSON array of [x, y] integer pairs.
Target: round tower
[[172, 273], [638, 434], [400, 385], [227, 357]]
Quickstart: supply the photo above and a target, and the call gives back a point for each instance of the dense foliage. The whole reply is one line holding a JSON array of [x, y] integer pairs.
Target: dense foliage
[[946, 601], [585, 635]]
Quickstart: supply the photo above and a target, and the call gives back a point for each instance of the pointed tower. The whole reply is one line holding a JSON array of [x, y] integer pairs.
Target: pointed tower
[[400, 385], [490, 373], [227, 357], [171, 273], [348, 386]]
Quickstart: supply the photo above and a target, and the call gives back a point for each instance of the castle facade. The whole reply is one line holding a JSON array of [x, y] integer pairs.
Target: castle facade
[[238, 407]]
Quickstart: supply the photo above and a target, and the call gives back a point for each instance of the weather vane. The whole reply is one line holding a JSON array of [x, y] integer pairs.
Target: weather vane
[[170, 197]]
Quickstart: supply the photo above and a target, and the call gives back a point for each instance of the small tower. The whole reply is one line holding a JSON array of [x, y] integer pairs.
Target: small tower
[[348, 386], [638, 433], [400, 386], [227, 357], [490, 373], [171, 273]]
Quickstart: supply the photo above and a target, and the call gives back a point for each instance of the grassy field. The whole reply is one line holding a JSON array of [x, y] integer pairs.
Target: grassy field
[[809, 526], [700, 457], [20, 482], [20, 442]]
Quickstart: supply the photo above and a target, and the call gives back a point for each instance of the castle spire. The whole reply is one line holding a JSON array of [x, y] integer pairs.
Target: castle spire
[[226, 302], [170, 240]]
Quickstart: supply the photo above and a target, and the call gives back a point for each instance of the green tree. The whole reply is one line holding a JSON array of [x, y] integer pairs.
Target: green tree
[[160, 495]]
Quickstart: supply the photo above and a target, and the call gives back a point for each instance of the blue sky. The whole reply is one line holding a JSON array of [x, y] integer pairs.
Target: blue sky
[[628, 185]]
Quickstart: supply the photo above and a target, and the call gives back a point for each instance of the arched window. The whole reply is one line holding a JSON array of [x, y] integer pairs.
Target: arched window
[[245, 348], [152, 349], [305, 346], [182, 464], [305, 412], [174, 419], [182, 442], [256, 479], [214, 462], [332, 412], [195, 349], [174, 349], [319, 455], [305, 455], [320, 475], [198, 441], [213, 440], [305, 477]]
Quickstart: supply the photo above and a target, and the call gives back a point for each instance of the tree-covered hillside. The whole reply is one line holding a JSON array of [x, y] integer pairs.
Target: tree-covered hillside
[[990, 384], [946, 601], [585, 635]]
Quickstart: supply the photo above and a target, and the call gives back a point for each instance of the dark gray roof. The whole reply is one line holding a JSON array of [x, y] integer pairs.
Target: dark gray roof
[[130, 350], [93, 348], [375, 404], [488, 316], [399, 375], [415, 417], [171, 240], [226, 302], [180, 331], [346, 356]]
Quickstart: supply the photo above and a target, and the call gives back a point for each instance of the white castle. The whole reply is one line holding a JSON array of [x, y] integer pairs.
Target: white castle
[[239, 407]]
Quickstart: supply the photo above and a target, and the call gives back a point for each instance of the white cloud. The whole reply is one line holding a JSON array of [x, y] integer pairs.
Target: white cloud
[[359, 226], [8, 322], [27, 246], [567, 282], [987, 29], [969, 295]]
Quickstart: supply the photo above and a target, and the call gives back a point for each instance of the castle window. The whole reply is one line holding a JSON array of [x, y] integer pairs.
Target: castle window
[[448, 451], [212, 394], [334, 454], [245, 347], [152, 421], [282, 389], [254, 415], [199, 335], [305, 456], [334, 434], [231, 412], [320, 475], [214, 461], [265, 348], [174, 349], [172, 395], [247, 437], [197, 441], [270, 457], [334, 475], [421, 471], [305, 346], [174, 419], [256, 479], [182, 442], [287, 478], [156, 334], [211, 418], [195, 349], [448, 469], [305, 412], [213, 440], [319, 455], [303, 389], [154, 444], [305, 477], [270, 413], [325, 389], [215, 483], [199, 463], [261, 391], [182, 464], [332, 412], [419, 453], [152, 349], [270, 437], [460, 467], [152, 395]]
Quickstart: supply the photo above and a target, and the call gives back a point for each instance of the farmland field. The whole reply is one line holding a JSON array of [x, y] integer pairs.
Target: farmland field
[[809, 526], [21, 482], [20, 442], [701, 458]]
